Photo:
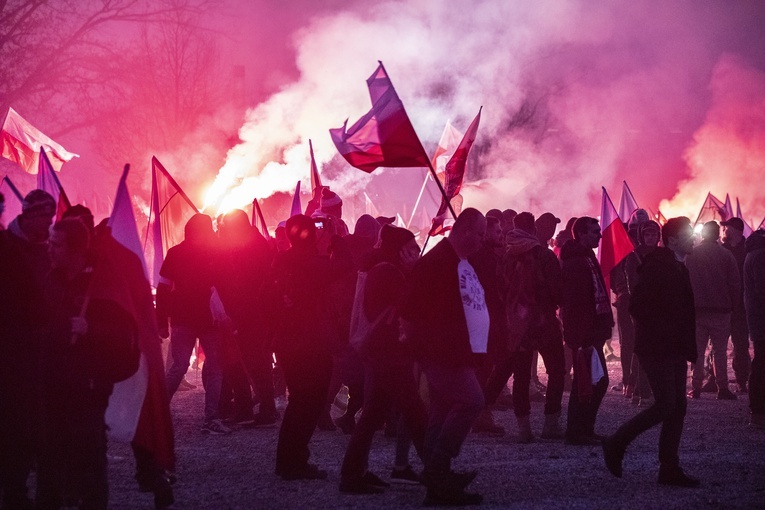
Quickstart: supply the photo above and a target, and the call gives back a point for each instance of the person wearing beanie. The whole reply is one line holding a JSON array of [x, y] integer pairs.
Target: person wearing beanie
[[388, 365], [29, 231]]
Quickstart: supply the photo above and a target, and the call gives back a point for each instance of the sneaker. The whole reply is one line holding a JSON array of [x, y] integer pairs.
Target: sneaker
[[757, 420], [613, 457], [263, 419], [645, 402], [726, 394], [307, 472], [694, 394], [215, 428], [243, 419], [185, 385], [613, 357], [347, 423], [618, 387], [281, 402], [709, 387], [676, 478], [404, 475], [359, 486], [374, 480], [742, 389]]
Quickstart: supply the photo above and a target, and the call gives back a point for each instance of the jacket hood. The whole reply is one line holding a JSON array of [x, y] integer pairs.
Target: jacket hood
[[573, 248], [520, 241], [755, 241]]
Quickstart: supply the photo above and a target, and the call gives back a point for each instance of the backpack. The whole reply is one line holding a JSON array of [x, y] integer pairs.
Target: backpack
[[361, 326], [522, 313], [117, 356]]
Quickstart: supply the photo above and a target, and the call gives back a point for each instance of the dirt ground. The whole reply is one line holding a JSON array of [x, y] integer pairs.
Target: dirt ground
[[236, 471]]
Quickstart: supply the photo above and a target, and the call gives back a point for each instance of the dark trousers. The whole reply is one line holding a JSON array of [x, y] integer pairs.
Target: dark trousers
[[386, 385], [258, 359], [554, 359], [236, 397], [456, 400], [757, 375], [626, 340], [517, 365], [739, 337], [583, 410], [307, 379], [348, 370], [668, 380]]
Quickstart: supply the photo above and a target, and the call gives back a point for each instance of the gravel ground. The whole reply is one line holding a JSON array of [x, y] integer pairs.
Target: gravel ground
[[236, 471]]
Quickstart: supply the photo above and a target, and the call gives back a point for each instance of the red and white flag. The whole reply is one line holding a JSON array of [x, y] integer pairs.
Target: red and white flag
[[747, 229], [138, 408], [258, 221], [170, 209], [450, 140], [627, 204], [21, 143], [369, 206], [296, 207], [454, 174], [728, 208], [712, 209], [616, 243], [315, 177], [385, 135], [47, 180]]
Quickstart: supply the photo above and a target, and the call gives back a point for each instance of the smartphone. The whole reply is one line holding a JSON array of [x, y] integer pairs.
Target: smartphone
[[319, 223]]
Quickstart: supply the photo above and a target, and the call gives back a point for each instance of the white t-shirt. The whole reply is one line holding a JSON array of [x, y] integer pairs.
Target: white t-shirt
[[474, 304]]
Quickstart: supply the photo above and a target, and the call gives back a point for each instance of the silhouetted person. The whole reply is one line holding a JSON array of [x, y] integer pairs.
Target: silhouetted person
[[663, 308], [735, 242], [754, 299]]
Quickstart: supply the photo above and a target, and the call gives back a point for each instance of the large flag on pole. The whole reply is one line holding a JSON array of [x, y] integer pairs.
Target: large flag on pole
[[48, 181], [138, 408], [296, 207], [450, 140], [728, 207], [258, 221], [170, 209], [385, 135], [615, 243], [627, 204], [315, 177], [454, 173], [747, 229], [712, 209], [21, 142]]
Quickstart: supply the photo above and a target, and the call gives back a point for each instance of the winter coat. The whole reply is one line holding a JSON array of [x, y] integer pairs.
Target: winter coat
[[585, 308], [714, 277], [662, 307], [754, 284]]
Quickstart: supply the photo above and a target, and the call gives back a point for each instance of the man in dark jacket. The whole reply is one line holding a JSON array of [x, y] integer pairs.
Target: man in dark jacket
[[735, 242], [754, 299], [663, 308], [587, 323], [447, 321]]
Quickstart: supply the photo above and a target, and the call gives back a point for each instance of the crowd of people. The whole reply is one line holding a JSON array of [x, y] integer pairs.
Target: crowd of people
[[316, 308]]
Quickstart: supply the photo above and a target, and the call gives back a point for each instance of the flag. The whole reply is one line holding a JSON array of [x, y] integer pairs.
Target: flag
[[296, 207], [138, 409], [369, 206], [660, 218], [616, 243], [21, 143], [12, 207], [400, 221], [454, 173], [257, 219], [48, 181], [385, 135], [728, 207], [712, 209], [170, 209], [747, 229], [450, 140], [627, 204], [315, 177]]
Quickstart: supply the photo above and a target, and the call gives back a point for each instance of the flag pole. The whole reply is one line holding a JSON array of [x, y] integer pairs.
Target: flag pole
[[14, 189], [425, 244], [417, 202]]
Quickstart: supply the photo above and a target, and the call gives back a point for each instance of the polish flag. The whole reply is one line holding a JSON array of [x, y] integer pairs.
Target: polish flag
[[138, 408], [48, 181], [747, 229], [21, 143], [615, 243], [258, 221], [296, 207], [385, 135], [627, 204]]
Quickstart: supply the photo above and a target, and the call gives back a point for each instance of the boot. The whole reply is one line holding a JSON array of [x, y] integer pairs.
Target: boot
[[524, 429], [552, 428], [485, 423]]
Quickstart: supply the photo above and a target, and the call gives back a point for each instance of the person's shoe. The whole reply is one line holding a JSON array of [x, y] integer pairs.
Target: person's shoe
[[742, 389], [613, 357], [263, 419], [308, 472], [613, 455], [372, 479], [485, 423], [710, 386], [536, 396], [675, 477], [463, 478], [459, 498], [525, 435], [242, 420], [404, 475], [281, 402], [185, 385], [694, 394], [536, 383], [215, 428], [618, 387], [359, 486], [757, 420], [325, 422], [645, 402], [346, 423], [726, 394], [504, 402], [629, 391], [552, 428]]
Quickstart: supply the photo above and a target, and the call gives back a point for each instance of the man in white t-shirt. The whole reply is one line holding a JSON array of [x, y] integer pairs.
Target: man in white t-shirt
[[447, 321]]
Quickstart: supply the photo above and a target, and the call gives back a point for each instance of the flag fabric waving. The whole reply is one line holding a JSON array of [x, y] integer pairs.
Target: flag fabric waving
[[258, 221], [138, 408], [627, 204], [712, 209], [747, 229], [454, 173], [615, 243], [48, 181], [296, 207], [728, 207], [315, 177], [385, 135], [450, 140], [21, 143], [170, 209]]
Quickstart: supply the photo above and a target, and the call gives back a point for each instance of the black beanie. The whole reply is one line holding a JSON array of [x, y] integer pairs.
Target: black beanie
[[392, 239]]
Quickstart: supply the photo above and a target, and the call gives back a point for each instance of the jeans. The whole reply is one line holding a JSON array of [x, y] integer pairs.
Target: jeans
[[182, 343], [518, 365], [667, 378], [626, 341], [582, 411], [258, 360], [385, 385], [553, 357], [456, 400], [739, 337], [714, 327]]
